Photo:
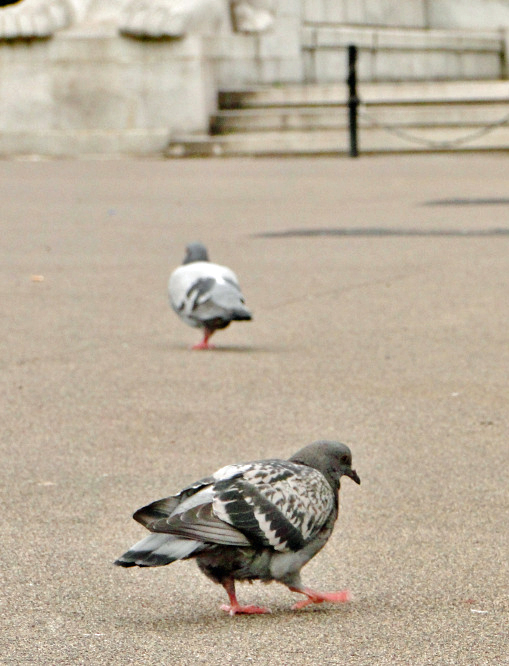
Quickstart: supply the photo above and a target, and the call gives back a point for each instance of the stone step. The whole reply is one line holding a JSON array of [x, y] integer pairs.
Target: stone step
[[370, 93], [335, 142], [311, 118]]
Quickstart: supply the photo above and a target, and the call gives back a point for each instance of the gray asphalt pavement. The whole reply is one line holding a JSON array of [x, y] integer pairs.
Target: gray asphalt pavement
[[395, 343]]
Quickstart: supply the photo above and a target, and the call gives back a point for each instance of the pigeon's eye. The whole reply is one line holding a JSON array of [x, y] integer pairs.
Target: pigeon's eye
[[345, 460]]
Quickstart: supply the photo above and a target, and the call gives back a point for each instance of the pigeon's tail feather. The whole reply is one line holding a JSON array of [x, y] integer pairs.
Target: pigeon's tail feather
[[225, 301], [157, 550]]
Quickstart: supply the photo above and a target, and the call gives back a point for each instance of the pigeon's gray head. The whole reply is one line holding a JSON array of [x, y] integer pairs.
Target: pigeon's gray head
[[195, 252], [332, 459]]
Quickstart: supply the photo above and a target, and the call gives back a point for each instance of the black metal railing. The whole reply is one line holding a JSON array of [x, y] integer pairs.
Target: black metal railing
[[356, 110], [353, 100]]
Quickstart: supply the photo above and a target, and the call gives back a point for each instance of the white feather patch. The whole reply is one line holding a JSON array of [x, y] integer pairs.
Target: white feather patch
[[203, 496], [228, 471]]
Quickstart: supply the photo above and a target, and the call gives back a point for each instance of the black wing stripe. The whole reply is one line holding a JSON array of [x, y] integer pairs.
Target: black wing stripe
[[198, 289], [256, 517]]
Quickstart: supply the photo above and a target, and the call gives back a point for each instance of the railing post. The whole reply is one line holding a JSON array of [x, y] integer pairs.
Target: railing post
[[353, 100]]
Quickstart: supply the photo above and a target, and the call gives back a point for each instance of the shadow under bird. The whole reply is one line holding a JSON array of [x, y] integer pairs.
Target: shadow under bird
[[206, 295], [261, 520]]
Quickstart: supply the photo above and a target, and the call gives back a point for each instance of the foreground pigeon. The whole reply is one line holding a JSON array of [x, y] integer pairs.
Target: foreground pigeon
[[260, 520], [206, 295]]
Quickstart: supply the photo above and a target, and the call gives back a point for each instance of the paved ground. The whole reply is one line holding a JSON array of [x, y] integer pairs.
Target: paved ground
[[397, 345]]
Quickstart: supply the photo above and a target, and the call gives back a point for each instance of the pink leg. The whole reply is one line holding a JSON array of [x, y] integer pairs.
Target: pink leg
[[235, 608], [204, 344], [315, 597]]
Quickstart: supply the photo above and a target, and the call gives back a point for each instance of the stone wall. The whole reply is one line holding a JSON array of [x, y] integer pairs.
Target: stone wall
[[394, 13], [446, 14], [274, 56], [469, 14], [91, 89], [100, 94], [388, 54]]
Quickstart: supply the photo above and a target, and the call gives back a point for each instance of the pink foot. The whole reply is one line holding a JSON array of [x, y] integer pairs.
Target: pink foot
[[314, 597], [235, 608], [244, 610], [202, 345]]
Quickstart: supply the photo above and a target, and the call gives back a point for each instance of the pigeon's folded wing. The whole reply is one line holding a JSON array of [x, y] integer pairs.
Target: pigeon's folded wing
[[201, 523], [276, 504], [268, 504], [190, 515], [152, 514]]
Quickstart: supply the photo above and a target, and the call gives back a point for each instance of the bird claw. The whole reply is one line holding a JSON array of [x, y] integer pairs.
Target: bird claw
[[319, 597], [244, 610], [202, 345]]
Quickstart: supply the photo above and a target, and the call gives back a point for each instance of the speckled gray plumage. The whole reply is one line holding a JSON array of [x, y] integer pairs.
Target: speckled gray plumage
[[259, 520]]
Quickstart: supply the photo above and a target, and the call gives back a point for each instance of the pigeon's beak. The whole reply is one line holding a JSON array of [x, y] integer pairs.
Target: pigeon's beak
[[352, 474]]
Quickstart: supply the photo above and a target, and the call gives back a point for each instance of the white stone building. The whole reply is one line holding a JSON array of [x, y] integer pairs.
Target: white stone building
[[102, 76]]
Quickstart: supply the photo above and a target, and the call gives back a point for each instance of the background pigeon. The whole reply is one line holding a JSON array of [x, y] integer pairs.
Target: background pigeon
[[206, 295], [260, 520]]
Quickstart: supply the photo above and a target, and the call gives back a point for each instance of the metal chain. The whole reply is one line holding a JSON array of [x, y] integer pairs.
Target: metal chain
[[408, 136]]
